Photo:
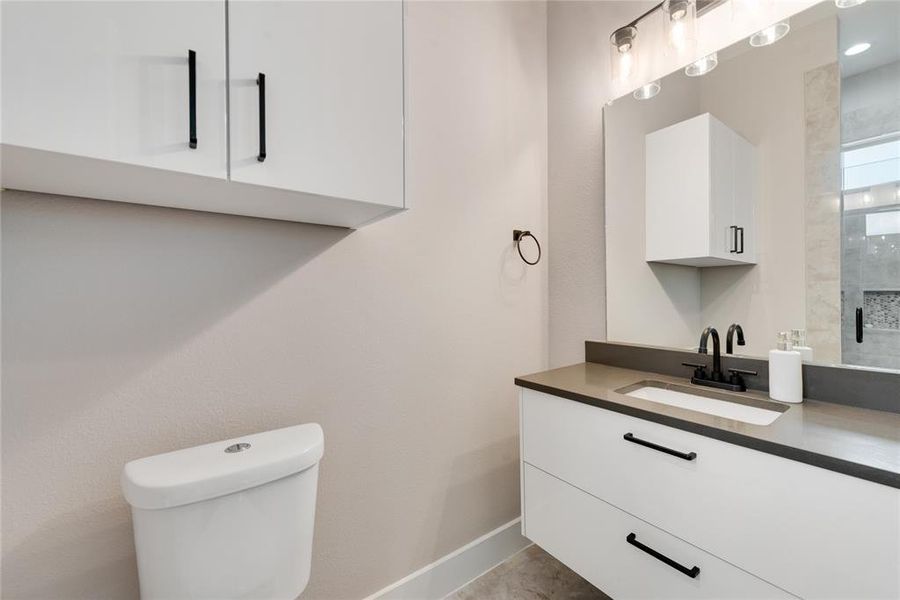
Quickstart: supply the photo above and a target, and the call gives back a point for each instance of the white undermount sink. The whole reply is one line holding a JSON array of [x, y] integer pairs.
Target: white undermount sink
[[729, 406]]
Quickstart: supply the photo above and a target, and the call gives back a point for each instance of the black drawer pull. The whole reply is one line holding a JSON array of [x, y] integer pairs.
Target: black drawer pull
[[192, 99], [261, 83], [629, 437], [692, 572]]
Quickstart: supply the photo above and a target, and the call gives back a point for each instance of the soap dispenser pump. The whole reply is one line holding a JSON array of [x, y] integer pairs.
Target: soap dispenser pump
[[785, 371], [798, 343]]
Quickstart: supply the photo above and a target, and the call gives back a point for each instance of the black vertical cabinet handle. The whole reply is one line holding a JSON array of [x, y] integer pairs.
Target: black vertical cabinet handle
[[859, 325], [192, 97], [692, 572], [261, 82], [733, 229], [741, 232], [629, 437]]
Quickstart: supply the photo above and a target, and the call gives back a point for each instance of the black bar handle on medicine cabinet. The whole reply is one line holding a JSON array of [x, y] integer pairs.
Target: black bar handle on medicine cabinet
[[859, 325], [261, 83], [192, 98], [629, 437], [734, 246], [692, 572], [741, 232]]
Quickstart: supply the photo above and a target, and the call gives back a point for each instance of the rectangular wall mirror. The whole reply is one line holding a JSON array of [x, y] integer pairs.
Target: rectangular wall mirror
[[764, 192]]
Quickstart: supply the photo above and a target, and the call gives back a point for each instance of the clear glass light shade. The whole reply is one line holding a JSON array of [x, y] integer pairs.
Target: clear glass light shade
[[770, 34], [622, 56], [847, 3], [702, 66], [680, 25], [647, 91]]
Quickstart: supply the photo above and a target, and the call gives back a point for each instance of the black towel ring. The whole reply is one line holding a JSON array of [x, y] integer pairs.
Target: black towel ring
[[518, 236]]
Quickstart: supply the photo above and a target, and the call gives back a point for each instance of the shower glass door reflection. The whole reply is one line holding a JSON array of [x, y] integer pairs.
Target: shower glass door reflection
[[870, 254]]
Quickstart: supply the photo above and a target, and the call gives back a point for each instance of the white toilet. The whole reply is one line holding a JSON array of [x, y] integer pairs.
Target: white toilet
[[227, 520]]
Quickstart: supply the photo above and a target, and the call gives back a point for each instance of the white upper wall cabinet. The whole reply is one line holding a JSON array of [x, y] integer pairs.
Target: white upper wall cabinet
[[110, 81], [97, 98], [333, 97], [700, 195]]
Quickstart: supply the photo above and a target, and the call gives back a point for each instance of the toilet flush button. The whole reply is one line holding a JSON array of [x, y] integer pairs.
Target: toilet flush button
[[237, 447]]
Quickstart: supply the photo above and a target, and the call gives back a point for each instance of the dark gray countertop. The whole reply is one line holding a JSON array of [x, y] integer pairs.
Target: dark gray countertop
[[854, 441]]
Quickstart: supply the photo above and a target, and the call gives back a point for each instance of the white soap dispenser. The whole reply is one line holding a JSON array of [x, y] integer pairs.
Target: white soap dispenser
[[785, 371], [798, 343]]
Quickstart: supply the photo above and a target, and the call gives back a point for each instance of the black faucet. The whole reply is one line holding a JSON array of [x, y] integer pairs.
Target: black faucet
[[716, 374], [716, 379], [729, 339]]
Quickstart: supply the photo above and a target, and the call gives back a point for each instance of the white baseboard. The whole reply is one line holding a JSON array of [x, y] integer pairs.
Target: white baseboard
[[451, 572]]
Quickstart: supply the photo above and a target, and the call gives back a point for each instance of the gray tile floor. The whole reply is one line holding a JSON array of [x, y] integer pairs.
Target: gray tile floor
[[532, 574]]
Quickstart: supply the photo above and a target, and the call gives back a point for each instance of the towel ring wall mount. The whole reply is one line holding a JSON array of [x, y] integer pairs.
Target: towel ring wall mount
[[521, 234]]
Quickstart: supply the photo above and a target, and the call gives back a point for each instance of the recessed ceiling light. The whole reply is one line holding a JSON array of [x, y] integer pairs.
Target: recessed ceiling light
[[857, 49], [702, 66], [645, 92], [770, 34], [848, 3]]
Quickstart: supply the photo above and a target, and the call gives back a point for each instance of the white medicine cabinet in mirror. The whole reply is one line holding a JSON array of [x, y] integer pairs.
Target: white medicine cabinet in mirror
[[764, 191]]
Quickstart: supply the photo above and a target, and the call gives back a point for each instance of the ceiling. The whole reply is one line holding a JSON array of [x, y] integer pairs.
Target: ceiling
[[876, 22]]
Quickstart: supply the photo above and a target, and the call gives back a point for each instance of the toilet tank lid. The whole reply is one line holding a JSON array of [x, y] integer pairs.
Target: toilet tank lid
[[213, 470]]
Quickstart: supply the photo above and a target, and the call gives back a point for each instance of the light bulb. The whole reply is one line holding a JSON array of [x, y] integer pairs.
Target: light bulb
[[847, 3], [647, 91], [625, 63], [770, 34]]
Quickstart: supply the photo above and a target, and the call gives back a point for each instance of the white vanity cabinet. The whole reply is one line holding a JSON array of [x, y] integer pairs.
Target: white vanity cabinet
[[756, 525], [333, 97], [111, 81], [700, 195], [159, 103]]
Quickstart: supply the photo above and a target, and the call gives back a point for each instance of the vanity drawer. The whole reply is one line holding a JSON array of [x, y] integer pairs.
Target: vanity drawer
[[592, 537], [813, 532]]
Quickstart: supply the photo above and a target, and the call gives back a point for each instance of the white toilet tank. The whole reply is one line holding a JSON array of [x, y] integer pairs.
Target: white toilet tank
[[227, 520]]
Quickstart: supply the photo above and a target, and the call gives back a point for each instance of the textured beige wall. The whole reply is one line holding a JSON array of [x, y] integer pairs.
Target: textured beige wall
[[132, 330]]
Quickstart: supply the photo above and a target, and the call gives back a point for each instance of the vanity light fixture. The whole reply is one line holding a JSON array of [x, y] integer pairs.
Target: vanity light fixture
[[770, 34], [857, 49], [622, 53], [847, 3], [702, 66], [680, 18], [647, 91]]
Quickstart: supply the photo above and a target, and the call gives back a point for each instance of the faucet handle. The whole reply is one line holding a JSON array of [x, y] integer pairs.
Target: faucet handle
[[742, 372], [699, 369]]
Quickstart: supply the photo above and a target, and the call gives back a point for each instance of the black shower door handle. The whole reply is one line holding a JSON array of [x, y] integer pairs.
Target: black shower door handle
[[859, 325]]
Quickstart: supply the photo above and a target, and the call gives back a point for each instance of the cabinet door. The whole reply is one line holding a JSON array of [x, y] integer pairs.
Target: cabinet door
[[333, 97], [724, 236], [677, 191], [745, 194], [111, 80]]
